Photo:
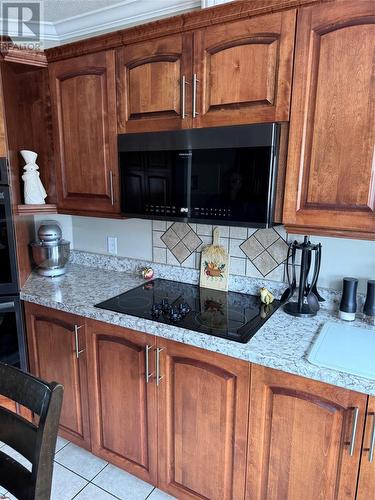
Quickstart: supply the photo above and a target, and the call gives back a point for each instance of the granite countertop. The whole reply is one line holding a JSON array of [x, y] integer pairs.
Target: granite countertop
[[282, 343]]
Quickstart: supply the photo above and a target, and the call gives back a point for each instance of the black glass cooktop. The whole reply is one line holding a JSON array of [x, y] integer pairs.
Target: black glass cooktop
[[230, 315]]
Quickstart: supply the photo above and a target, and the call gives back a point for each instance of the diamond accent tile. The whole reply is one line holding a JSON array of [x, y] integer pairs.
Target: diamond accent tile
[[191, 241], [170, 238], [266, 236], [278, 250], [181, 252], [265, 263], [251, 248], [181, 229]]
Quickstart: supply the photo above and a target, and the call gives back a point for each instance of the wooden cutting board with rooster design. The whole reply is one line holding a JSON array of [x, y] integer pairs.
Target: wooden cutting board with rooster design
[[214, 265]]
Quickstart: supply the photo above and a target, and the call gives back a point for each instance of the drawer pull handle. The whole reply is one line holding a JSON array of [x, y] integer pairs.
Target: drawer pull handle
[[354, 431], [158, 376], [76, 340], [372, 441], [148, 374]]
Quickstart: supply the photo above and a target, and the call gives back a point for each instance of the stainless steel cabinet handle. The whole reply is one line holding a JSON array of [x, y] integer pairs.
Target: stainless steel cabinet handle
[[183, 97], [111, 187], [372, 441], [195, 81], [354, 431], [148, 374], [77, 351], [158, 376]]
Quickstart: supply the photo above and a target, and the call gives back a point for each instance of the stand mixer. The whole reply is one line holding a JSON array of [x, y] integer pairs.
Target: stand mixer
[[307, 304]]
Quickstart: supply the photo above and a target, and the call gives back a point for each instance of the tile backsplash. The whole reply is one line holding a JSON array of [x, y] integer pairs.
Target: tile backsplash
[[253, 253]]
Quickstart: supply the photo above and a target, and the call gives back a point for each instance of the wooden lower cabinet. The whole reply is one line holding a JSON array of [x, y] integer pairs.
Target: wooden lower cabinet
[[123, 400], [203, 423], [299, 440], [57, 351], [366, 482]]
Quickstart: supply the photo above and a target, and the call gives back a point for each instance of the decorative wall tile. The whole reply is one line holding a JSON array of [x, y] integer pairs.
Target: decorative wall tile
[[181, 241], [238, 232], [159, 225], [252, 248], [237, 266], [265, 263], [278, 250], [160, 255], [234, 248], [266, 236], [204, 229]]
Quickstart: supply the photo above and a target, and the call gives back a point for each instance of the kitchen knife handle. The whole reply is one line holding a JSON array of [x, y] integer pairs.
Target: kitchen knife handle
[[354, 431], [148, 374], [158, 376]]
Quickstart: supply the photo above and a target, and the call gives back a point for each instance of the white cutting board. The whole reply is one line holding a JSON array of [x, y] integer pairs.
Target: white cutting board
[[347, 348]]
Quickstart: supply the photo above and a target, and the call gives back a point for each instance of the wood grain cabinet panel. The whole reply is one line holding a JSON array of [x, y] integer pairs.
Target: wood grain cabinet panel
[[299, 438], [330, 177], [3, 144], [123, 403], [84, 107], [56, 354], [244, 70], [366, 481], [151, 90], [203, 405]]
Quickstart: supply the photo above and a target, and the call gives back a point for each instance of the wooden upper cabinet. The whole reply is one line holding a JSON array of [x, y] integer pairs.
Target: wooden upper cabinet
[[244, 70], [151, 91], [330, 185], [83, 92], [123, 403], [57, 351], [300, 434], [203, 409], [366, 480]]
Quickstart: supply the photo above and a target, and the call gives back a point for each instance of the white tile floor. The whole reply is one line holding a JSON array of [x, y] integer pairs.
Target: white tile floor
[[80, 475]]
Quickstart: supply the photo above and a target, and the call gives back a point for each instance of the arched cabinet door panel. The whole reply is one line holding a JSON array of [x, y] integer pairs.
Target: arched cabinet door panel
[[57, 352], [83, 96], [301, 433], [244, 70], [154, 90], [330, 174], [123, 404], [203, 405]]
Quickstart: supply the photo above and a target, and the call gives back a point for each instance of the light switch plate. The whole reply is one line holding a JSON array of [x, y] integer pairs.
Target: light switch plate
[[112, 245]]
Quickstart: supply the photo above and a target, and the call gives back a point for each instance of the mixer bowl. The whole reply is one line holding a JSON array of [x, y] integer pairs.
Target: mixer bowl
[[51, 260]]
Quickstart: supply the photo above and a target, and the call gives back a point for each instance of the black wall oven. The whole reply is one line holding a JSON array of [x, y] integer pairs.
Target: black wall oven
[[12, 341], [223, 175]]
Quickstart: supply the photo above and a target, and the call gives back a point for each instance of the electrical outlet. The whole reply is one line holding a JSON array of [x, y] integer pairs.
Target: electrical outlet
[[112, 245]]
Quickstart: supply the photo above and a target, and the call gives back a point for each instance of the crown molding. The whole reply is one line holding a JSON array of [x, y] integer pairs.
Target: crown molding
[[110, 18]]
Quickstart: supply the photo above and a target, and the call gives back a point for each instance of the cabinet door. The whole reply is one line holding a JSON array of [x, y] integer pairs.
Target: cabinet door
[[300, 434], [244, 70], [83, 96], [203, 409], [3, 145], [330, 175], [123, 399], [57, 351], [366, 482], [154, 90]]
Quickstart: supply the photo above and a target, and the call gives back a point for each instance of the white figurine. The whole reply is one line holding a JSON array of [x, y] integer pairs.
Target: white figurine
[[35, 193]]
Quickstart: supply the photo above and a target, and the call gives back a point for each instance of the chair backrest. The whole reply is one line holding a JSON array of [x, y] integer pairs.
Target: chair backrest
[[35, 442]]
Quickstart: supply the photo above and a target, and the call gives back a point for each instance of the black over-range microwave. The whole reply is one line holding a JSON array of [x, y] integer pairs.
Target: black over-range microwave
[[223, 175]]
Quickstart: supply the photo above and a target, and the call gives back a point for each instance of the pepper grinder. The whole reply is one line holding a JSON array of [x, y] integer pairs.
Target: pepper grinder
[[369, 307], [348, 304]]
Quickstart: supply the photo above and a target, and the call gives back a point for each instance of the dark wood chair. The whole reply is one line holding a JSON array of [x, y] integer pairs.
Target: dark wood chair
[[35, 442]]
